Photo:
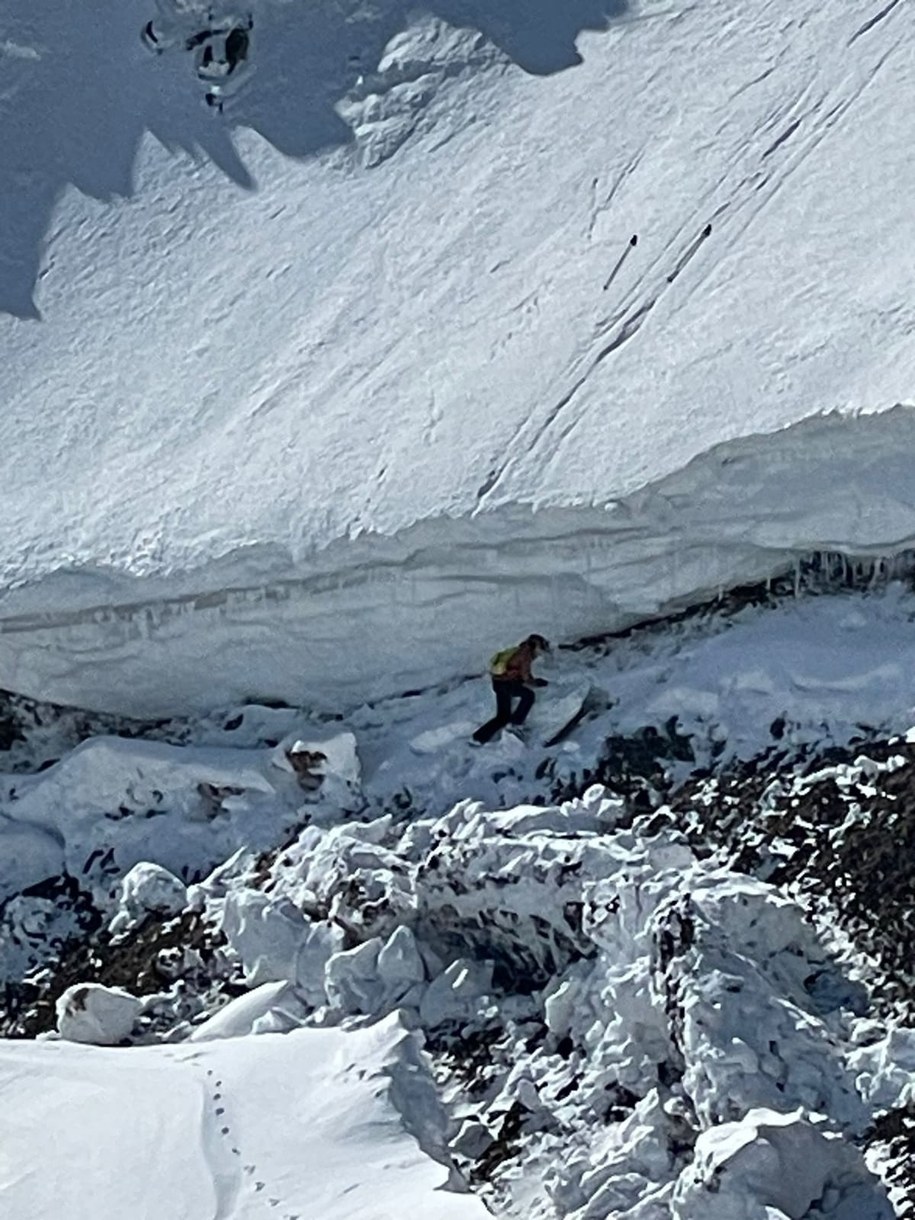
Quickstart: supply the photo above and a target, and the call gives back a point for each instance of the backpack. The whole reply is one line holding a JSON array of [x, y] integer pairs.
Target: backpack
[[499, 662]]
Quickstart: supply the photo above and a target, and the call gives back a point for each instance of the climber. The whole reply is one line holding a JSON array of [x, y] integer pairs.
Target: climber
[[510, 671]]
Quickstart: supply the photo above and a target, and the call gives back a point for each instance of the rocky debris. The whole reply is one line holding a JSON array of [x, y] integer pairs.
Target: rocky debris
[[34, 735], [325, 767], [635, 998], [891, 1146], [580, 965], [218, 42], [308, 765], [181, 962], [39, 924], [835, 825]]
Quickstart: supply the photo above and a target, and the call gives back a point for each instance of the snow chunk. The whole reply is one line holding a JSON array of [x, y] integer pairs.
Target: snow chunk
[[387, 107], [400, 966], [326, 769], [253, 1013], [265, 933], [112, 803], [148, 889], [100, 1016], [320, 943], [459, 994], [885, 1070], [771, 1166], [351, 979]]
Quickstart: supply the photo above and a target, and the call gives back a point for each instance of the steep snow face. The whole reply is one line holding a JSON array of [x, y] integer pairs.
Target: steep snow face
[[319, 347]]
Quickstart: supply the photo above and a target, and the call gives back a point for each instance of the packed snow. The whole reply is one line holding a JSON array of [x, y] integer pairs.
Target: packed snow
[[326, 388]]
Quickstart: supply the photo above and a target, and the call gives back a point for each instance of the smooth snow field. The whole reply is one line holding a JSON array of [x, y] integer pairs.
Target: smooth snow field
[[293, 1127], [321, 394]]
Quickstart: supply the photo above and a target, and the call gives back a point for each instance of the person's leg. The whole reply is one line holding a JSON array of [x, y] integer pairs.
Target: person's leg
[[525, 703], [502, 716]]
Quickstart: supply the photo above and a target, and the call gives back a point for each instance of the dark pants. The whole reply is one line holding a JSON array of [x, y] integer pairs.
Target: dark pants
[[507, 691]]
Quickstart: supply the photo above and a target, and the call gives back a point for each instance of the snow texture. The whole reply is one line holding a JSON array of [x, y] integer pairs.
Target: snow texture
[[279, 1126], [327, 391]]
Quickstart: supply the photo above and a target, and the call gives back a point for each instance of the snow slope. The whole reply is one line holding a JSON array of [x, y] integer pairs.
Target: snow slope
[[284, 379], [253, 1127]]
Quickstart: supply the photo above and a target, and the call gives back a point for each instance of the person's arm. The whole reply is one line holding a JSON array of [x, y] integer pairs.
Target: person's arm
[[524, 668]]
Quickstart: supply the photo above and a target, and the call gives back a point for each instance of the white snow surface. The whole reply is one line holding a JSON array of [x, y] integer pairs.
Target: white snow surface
[[278, 1126], [325, 393]]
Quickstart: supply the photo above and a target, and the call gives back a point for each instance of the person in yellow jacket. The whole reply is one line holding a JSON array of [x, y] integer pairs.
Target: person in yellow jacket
[[510, 671]]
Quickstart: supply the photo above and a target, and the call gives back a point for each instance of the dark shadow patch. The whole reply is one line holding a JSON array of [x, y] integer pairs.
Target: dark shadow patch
[[81, 92]]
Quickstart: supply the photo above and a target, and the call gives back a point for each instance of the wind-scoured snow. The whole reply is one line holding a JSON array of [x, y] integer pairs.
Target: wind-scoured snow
[[357, 358]]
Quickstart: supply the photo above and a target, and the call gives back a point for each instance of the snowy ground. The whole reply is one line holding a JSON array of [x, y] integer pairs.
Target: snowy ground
[[300, 367], [615, 1021], [316, 1123]]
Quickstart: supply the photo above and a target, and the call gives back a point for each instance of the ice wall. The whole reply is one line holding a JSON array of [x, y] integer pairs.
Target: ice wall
[[376, 615]]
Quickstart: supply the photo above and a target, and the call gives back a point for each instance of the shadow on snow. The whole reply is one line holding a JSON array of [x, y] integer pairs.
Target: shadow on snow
[[79, 93]]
